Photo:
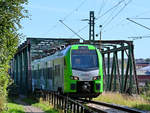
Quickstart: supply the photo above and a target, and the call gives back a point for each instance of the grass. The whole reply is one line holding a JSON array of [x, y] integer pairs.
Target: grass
[[126, 100], [2, 101], [13, 108], [43, 105]]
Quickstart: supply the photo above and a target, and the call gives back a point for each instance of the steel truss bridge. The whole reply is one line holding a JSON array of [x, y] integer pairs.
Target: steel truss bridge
[[118, 62]]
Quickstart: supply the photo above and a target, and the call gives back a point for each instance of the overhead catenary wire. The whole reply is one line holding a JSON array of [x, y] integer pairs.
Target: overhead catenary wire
[[102, 6], [110, 9], [65, 17], [117, 13], [118, 3], [51, 29], [80, 30], [111, 15], [140, 18], [138, 37], [138, 23], [76, 9], [71, 30]]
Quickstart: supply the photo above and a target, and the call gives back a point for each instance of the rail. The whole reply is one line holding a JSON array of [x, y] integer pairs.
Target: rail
[[69, 105], [118, 107], [64, 103]]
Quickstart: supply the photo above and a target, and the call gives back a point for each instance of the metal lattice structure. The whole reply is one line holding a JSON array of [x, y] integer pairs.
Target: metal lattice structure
[[31, 49], [118, 62], [119, 72], [119, 65], [91, 26]]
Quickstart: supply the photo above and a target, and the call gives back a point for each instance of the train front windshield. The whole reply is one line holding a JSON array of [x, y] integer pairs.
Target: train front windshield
[[84, 59]]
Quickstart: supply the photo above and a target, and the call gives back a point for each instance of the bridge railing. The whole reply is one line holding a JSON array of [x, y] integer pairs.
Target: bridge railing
[[64, 103]]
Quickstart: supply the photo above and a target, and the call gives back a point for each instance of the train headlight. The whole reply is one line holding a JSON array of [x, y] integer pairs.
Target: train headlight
[[96, 77], [74, 78]]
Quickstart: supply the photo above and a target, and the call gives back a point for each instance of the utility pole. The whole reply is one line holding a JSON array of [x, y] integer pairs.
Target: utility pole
[[100, 43], [91, 26]]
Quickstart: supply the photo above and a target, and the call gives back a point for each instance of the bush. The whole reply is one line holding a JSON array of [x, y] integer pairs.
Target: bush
[[11, 12], [4, 82], [146, 91], [2, 101]]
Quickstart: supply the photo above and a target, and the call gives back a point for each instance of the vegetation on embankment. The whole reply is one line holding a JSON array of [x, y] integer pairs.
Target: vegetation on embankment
[[43, 105], [12, 107], [135, 101], [11, 13]]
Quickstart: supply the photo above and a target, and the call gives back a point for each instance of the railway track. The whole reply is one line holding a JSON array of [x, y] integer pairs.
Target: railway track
[[102, 107], [74, 105]]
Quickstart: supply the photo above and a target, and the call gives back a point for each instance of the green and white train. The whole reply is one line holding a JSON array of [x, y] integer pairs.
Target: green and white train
[[76, 71]]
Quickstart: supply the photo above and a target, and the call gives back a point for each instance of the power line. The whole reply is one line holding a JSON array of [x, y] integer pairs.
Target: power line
[[138, 23], [102, 6], [52, 28], [98, 17], [105, 13], [71, 30], [140, 18], [110, 16], [80, 30], [110, 9], [117, 13], [55, 25], [76, 9], [139, 37]]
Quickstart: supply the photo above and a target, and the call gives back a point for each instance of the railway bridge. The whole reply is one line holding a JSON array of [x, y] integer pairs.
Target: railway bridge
[[118, 62]]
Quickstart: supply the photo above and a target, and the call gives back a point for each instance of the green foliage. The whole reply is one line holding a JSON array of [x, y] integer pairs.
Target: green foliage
[[11, 13], [135, 101], [14, 108], [145, 91]]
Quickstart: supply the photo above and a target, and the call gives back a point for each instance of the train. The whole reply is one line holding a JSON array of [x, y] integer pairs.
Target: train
[[76, 71]]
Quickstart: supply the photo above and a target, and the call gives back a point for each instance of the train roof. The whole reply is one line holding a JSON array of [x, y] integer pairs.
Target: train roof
[[58, 54], [61, 53]]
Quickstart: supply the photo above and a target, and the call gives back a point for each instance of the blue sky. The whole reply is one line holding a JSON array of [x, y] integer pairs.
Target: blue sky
[[45, 16]]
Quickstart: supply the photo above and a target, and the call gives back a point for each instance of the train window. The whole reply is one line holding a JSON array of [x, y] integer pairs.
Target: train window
[[44, 73], [35, 74], [39, 74], [84, 59], [50, 72], [57, 70]]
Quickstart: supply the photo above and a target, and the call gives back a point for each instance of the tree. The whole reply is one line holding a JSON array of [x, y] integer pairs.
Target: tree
[[11, 13]]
